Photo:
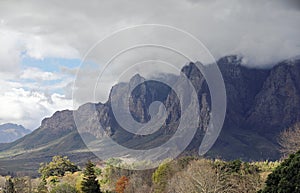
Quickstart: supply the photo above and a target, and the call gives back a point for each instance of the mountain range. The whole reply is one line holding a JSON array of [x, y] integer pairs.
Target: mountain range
[[260, 104], [10, 132]]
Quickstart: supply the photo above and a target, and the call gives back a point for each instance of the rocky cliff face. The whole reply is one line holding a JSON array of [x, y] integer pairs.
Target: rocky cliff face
[[277, 105], [260, 104]]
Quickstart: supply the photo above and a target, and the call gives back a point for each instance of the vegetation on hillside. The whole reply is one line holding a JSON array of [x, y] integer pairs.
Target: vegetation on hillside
[[181, 175], [286, 177], [57, 167], [185, 174]]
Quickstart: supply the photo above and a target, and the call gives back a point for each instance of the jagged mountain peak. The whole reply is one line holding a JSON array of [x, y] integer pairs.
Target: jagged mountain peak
[[190, 69], [260, 103], [136, 78]]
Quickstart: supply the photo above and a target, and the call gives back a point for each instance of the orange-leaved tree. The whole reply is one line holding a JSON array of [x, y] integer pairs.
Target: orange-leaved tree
[[121, 184]]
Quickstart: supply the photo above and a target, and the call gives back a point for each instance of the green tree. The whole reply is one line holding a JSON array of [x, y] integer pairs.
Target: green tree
[[90, 183], [64, 188], [161, 176], [9, 186], [286, 177], [57, 167]]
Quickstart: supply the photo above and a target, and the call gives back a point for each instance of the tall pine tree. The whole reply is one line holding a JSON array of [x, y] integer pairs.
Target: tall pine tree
[[90, 183]]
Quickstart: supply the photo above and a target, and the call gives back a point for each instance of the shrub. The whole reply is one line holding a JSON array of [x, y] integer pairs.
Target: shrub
[[64, 188]]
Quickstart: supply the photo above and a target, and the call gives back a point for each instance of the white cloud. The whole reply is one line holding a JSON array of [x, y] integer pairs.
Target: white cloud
[[29, 99], [9, 52], [38, 75], [263, 31], [40, 47], [29, 108]]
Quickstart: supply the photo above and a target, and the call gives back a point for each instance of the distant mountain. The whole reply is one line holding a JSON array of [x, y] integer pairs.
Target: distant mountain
[[260, 104], [10, 132]]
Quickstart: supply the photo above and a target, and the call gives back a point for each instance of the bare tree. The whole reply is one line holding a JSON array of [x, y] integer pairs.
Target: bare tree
[[289, 140], [245, 183], [136, 184], [200, 177]]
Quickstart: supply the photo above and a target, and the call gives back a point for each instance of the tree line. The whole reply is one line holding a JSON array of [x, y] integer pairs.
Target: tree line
[[185, 174]]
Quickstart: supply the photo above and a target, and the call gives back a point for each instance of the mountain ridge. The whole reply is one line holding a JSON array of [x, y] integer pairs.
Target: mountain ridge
[[249, 131], [10, 132]]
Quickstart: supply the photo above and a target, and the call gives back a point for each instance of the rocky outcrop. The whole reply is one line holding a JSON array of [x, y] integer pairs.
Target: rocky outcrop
[[277, 105]]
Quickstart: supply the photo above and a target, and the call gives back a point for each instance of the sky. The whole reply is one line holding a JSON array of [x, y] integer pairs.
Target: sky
[[42, 43]]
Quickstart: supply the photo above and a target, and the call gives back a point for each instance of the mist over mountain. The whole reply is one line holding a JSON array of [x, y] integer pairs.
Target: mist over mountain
[[260, 104], [10, 132]]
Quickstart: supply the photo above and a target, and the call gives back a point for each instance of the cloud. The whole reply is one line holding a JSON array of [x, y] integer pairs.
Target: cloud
[[38, 75], [9, 52], [28, 108], [264, 32], [32, 96]]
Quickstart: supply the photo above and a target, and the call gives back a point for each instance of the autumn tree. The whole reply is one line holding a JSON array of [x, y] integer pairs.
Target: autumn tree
[[289, 140], [90, 182], [122, 184]]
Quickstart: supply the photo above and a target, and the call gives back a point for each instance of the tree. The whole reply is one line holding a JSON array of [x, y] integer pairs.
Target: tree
[[286, 177], [137, 184], [200, 176], [57, 167], [241, 177], [9, 186], [22, 184], [73, 179], [42, 186], [64, 188], [289, 140], [90, 183], [161, 176], [121, 184]]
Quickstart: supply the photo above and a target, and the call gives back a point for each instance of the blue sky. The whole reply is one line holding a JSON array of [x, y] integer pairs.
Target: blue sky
[[50, 64], [53, 65]]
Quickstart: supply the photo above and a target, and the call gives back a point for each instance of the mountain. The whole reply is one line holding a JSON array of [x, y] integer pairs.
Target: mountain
[[10, 132], [260, 104]]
